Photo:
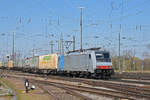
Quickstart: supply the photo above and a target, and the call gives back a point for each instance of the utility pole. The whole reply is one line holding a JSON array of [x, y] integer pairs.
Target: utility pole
[[61, 44], [13, 49], [52, 45], [74, 43], [134, 64], [81, 8], [58, 46], [119, 50], [62, 41], [58, 23], [33, 52], [124, 59]]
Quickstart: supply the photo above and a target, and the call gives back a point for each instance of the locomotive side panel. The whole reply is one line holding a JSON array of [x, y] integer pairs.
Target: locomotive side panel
[[79, 62]]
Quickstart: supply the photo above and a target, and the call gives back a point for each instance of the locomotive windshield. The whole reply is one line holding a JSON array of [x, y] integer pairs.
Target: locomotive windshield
[[102, 57]]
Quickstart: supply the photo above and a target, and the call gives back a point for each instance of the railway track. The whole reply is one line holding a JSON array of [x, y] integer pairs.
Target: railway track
[[91, 90], [132, 75], [127, 89], [58, 95], [123, 90], [117, 90]]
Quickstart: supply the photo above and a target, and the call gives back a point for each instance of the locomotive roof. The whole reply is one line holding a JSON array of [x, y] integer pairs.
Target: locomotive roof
[[102, 51], [87, 52]]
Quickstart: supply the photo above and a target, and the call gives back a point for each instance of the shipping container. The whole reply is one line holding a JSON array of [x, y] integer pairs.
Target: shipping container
[[48, 61], [32, 62], [10, 63], [5, 63], [26, 63], [19, 63]]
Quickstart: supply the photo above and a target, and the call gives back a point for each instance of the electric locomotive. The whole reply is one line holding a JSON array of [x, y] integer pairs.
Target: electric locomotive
[[90, 63]]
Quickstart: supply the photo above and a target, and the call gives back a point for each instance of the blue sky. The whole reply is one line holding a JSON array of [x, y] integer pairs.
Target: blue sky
[[33, 22]]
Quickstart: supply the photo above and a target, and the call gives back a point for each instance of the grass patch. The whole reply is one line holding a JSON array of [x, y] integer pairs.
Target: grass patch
[[10, 85], [5, 97], [21, 95]]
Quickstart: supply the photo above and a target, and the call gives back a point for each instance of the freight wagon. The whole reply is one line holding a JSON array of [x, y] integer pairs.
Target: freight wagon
[[6, 64], [40, 64]]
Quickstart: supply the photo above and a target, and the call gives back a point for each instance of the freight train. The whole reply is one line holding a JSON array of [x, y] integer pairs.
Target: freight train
[[89, 64]]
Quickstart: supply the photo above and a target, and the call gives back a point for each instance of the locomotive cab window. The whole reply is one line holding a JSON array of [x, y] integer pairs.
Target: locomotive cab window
[[106, 55], [103, 57], [99, 56]]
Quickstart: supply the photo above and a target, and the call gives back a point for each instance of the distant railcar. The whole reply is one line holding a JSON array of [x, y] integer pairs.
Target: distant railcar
[[41, 64], [10, 64]]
